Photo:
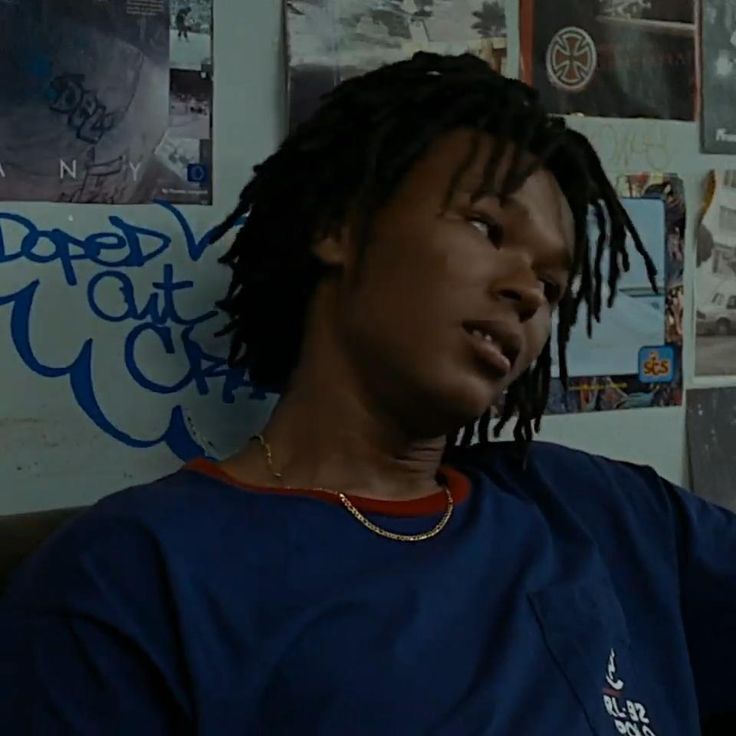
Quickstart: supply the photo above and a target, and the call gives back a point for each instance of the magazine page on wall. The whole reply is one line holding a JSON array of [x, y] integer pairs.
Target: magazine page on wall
[[634, 358], [106, 103], [612, 58], [330, 41]]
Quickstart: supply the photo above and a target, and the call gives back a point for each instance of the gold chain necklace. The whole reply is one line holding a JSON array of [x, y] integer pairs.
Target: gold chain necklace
[[347, 503]]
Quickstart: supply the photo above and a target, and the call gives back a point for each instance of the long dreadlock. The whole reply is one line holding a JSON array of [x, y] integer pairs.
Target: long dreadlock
[[351, 155]]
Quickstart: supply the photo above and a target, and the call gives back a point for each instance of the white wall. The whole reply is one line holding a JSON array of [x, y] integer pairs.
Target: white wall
[[53, 455]]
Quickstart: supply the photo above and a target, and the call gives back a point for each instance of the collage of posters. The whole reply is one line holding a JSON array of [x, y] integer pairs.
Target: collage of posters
[[332, 40], [634, 358], [106, 102]]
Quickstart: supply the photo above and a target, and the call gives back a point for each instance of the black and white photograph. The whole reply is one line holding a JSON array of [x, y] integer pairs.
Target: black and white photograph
[[332, 40], [715, 279], [718, 128], [711, 431], [190, 34], [190, 105]]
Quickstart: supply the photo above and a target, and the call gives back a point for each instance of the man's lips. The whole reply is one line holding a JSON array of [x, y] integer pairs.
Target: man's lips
[[496, 342]]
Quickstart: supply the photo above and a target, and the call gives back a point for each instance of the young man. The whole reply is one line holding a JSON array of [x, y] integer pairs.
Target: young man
[[182, 23], [351, 571]]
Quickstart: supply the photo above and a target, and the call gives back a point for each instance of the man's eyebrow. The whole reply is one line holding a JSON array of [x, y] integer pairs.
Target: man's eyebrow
[[564, 256]]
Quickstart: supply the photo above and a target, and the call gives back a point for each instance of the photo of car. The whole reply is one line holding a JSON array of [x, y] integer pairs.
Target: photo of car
[[718, 317]]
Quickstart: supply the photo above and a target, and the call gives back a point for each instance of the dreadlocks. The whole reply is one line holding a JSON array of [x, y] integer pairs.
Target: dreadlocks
[[351, 156]]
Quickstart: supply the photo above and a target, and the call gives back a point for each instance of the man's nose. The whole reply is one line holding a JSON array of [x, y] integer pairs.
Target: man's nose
[[523, 290]]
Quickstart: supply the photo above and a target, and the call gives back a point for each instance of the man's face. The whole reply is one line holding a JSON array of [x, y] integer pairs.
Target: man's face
[[448, 305]]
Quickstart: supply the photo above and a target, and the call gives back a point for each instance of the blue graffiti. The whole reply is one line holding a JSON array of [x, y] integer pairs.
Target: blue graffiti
[[124, 246], [160, 307], [154, 315]]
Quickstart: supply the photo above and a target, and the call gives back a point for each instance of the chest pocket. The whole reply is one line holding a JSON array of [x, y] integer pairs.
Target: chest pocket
[[585, 630]]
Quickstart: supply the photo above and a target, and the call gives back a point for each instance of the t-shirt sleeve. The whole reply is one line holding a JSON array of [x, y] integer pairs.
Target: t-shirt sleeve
[[88, 641], [689, 542], [706, 543]]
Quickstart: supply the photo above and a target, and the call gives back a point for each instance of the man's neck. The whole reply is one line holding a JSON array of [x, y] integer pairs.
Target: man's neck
[[325, 437]]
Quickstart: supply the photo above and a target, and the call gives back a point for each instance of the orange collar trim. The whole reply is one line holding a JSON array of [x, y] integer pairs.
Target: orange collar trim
[[457, 483]]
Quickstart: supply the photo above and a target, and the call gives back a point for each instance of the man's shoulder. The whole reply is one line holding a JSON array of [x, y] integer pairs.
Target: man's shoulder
[[613, 503], [177, 494], [577, 477], [538, 454], [135, 533], [193, 502]]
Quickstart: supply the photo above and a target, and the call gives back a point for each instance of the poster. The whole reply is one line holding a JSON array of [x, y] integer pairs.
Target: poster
[[711, 432], [106, 101], [715, 280], [612, 58], [634, 358], [718, 76], [332, 40]]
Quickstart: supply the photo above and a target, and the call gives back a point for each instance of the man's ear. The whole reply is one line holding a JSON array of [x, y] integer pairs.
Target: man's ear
[[335, 249]]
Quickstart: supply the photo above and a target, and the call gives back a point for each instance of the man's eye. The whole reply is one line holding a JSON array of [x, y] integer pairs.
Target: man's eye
[[491, 230], [552, 291]]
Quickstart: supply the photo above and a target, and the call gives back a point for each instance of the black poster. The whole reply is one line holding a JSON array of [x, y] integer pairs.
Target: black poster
[[612, 58], [711, 429]]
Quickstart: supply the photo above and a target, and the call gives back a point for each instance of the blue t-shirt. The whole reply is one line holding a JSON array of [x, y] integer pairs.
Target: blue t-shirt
[[575, 596]]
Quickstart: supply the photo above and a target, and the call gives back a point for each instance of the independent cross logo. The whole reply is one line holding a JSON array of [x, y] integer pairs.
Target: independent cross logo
[[572, 59]]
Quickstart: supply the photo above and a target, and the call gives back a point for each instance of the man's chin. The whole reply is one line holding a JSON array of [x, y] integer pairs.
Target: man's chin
[[468, 408]]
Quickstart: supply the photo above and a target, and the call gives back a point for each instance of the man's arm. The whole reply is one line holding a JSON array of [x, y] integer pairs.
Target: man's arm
[[88, 640], [69, 675], [706, 543]]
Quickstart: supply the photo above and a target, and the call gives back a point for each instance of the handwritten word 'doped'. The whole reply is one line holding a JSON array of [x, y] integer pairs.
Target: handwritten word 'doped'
[[163, 350], [124, 245]]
